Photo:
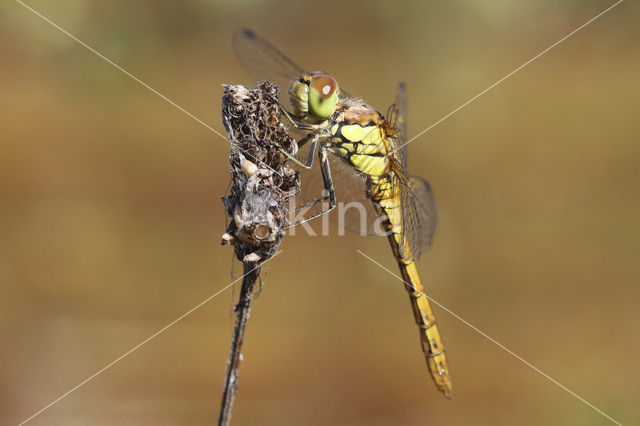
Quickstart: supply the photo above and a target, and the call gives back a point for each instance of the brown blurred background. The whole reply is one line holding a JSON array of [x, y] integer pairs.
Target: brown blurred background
[[111, 217]]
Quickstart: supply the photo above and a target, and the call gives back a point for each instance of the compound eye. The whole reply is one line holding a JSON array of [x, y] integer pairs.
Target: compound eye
[[324, 84], [323, 95]]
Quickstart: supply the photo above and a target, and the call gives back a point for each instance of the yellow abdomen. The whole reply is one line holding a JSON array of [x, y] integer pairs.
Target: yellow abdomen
[[385, 194]]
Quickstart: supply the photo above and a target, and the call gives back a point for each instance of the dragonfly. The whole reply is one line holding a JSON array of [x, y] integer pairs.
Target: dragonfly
[[337, 124]]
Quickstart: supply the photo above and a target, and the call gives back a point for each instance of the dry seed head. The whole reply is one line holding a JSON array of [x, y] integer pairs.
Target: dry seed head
[[262, 181]]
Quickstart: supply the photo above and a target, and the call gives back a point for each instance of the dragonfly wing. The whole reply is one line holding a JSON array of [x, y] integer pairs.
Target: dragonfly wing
[[419, 216], [419, 213], [397, 119], [354, 212], [263, 61]]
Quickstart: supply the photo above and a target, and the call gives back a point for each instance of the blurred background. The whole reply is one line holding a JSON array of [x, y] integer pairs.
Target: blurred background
[[111, 217]]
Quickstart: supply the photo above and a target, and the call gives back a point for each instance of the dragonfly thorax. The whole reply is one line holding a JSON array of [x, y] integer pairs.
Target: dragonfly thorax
[[314, 96]]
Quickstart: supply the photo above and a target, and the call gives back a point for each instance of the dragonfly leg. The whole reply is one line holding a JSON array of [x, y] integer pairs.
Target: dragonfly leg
[[313, 137], [328, 192], [309, 204]]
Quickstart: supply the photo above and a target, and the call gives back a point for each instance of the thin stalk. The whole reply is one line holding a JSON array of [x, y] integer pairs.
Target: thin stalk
[[242, 309]]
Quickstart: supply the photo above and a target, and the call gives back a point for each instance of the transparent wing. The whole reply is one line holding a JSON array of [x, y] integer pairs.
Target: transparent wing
[[397, 119], [419, 217], [263, 61], [354, 212], [419, 213]]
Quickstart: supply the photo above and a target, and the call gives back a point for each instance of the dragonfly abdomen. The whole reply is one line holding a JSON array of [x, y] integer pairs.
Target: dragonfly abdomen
[[430, 339], [385, 194]]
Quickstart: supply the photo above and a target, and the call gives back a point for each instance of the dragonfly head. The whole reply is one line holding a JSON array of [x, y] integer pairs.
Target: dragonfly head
[[314, 96]]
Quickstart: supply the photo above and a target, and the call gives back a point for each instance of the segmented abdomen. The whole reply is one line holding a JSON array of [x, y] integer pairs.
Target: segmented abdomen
[[385, 195]]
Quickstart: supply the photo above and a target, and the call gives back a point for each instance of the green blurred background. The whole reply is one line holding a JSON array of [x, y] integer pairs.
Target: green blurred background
[[111, 217]]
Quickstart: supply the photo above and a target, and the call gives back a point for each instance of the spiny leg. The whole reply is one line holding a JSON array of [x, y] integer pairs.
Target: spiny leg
[[313, 137], [328, 189], [310, 204]]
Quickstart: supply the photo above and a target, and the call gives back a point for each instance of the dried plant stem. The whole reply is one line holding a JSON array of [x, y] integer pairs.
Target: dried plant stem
[[262, 186], [242, 310]]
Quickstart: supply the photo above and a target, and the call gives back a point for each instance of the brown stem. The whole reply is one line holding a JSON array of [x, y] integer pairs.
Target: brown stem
[[251, 273]]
